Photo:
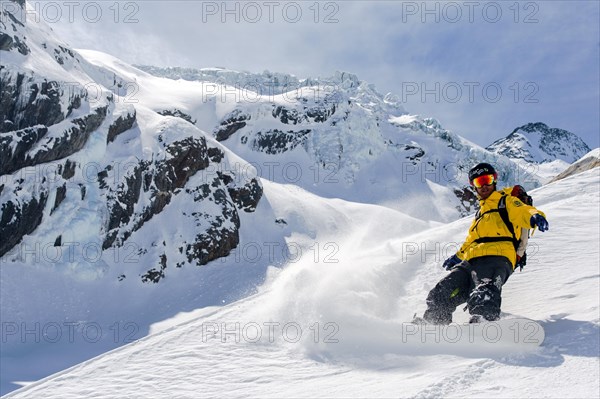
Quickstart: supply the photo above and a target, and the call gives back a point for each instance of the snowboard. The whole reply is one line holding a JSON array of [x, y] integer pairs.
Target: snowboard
[[503, 333]]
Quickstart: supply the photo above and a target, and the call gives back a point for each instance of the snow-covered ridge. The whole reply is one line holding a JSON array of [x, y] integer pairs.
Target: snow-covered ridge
[[265, 84], [589, 161]]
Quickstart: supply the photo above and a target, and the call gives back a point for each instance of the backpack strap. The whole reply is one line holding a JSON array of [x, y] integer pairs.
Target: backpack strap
[[504, 215]]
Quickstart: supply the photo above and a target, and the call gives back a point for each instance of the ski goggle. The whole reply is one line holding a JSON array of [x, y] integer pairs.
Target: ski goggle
[[484, 180]]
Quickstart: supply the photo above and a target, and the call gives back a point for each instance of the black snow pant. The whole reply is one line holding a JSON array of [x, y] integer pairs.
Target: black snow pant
[[477, 282]]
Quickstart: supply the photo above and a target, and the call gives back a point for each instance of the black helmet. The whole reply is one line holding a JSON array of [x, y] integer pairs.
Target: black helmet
[[482, 169]]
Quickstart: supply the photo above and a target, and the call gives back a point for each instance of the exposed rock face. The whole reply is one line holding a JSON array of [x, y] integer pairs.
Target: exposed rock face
[[158, 181], [35, 132], [120, 125], [218, 240], [246, 197], [14, 147], [10, 39], [275, 141], [26, 102], [61, 194], [179, 114], [231, 124], [20, 217], [291, 116], [48, 148]]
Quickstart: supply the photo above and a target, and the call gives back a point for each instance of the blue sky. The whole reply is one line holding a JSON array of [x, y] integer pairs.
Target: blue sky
[[482, 68]]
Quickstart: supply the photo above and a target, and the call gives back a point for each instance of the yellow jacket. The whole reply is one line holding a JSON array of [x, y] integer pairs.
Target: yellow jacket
[[490, 225]]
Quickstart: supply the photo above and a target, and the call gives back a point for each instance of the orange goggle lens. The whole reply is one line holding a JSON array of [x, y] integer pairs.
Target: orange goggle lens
[[484, 180]]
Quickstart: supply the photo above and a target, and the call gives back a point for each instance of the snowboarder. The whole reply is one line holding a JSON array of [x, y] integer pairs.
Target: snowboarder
[[487, 257]]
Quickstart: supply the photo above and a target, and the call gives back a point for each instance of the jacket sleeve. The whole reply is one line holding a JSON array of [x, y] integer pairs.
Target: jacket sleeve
[[519, 213]]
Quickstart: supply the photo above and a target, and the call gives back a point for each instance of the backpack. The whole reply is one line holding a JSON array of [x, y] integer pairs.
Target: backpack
[[520, 244]]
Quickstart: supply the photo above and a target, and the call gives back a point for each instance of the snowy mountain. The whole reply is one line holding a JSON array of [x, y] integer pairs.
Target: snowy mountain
[[338, 137], [538, 143], [84, 169], [328, 324]]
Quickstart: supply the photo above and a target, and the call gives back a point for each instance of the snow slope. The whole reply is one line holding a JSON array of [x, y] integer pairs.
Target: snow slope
[[326, 325]]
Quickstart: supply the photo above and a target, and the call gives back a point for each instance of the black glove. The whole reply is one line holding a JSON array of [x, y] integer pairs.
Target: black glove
[[539, 221], [521, 261], [451, 262]]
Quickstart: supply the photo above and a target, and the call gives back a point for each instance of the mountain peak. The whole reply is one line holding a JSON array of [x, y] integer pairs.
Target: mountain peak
[[532, 127], [536, 142]]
